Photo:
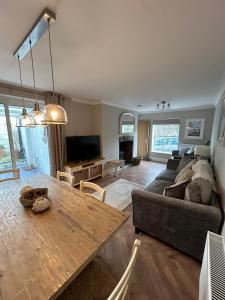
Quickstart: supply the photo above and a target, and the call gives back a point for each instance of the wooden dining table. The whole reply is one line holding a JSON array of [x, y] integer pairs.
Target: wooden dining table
[[42, 253]]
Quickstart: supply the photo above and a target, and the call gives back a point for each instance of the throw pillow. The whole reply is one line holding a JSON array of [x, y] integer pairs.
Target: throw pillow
[[189, 165], [185, 161], [200, 163], [199, 191], [176, 190], [205, 171], [185, 174], [192, 192], [183, 150]]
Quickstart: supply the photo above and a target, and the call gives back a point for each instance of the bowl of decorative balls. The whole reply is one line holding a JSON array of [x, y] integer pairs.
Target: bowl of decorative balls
[[37, 198]]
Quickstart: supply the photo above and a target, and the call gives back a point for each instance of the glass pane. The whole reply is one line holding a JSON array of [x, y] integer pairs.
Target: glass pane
[[5, 154], [18, 136], [30, 146], [165, 138]]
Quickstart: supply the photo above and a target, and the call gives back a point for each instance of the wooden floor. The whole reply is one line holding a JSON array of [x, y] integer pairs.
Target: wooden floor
[[161, 273]]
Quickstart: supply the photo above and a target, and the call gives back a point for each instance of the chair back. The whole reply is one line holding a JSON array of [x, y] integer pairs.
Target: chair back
[[69, 179], [16, 174], [93, 186], [121, 291]]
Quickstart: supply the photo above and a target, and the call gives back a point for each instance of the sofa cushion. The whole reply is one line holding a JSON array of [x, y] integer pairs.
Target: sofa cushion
[[199, 191], [167, 175], [158, 186], [176, 190]]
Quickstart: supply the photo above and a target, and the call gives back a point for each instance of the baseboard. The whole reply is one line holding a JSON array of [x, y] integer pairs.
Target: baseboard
[[158, 159]]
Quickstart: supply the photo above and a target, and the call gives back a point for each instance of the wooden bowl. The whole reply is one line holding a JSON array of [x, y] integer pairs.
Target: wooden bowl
[[27, 198]]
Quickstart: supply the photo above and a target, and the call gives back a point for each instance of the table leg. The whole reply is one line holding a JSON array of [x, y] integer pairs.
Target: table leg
[[122, 169]]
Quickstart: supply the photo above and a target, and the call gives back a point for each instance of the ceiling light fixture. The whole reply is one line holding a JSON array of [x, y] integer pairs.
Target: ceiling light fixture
[[163, 105], [37, 114], [54, 114], [24, 119]]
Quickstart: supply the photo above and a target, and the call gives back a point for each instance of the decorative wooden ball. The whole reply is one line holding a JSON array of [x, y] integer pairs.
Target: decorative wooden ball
[[40, 204]]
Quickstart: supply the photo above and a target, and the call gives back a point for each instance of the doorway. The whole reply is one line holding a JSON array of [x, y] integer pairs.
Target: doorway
[[143, 138]]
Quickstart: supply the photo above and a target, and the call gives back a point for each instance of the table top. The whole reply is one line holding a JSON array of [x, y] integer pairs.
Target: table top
[[41, 254]]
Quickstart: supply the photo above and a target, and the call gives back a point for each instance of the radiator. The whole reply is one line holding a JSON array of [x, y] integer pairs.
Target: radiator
[[212, 276]]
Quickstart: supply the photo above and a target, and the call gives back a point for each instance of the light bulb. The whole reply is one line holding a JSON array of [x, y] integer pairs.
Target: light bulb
[[38, 118], [26, 120], [54, 114]]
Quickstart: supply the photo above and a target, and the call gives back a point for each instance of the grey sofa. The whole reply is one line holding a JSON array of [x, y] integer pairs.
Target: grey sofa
[[179, 223]]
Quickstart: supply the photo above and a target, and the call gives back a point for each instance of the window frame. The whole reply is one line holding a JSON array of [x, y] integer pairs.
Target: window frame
[[163, 122]]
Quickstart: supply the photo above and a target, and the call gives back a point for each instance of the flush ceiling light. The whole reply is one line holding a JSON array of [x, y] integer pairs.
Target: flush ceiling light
[[54, 114], [24, 119]]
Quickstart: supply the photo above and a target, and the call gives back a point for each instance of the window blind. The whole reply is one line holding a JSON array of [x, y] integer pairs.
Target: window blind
[[166, 122]]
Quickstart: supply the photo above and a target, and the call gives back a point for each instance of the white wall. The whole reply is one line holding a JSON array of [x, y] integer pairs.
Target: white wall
[[218, 153], [81, 118]]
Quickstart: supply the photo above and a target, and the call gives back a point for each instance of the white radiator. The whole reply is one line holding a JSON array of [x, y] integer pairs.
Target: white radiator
[[212, 276]]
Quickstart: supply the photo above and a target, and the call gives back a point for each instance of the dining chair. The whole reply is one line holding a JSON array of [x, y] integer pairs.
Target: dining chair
[[16, 174], [65, 177], [121, 291], [95, 187]]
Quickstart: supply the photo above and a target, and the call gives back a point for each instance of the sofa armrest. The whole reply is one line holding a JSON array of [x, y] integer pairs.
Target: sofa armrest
[[180, 223], [172, 163]]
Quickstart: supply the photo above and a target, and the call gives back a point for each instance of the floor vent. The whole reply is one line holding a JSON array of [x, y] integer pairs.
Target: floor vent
[[212, 277]]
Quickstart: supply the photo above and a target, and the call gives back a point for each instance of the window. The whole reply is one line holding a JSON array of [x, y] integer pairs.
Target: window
[[127, 128], [165, 137]]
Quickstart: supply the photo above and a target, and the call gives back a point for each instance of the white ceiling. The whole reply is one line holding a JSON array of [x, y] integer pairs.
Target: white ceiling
[[125, 52]]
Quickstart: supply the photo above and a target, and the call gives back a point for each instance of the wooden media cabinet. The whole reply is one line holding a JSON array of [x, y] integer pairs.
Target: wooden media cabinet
[[85, 170]]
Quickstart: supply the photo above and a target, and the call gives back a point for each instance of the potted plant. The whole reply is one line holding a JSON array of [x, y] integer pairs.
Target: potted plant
[[2, 150]]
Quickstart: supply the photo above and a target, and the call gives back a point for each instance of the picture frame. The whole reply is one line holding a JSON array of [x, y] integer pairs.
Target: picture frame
[[194, 128]]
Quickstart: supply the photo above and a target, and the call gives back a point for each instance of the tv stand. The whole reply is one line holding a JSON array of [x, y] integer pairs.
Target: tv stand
[[85, 170]]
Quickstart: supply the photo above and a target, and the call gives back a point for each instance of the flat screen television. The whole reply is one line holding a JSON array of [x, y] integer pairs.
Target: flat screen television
[[82, 147]]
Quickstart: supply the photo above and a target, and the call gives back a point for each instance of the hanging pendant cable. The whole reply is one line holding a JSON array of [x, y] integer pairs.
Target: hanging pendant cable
[[50, 52], [21, 82], [31, 55]]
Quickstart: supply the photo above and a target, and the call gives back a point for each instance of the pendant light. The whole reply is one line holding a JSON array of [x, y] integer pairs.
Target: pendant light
[[54, 114], [37, 115], [24, 119]]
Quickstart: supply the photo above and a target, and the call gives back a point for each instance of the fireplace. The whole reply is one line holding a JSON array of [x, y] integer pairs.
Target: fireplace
[[126, 148]]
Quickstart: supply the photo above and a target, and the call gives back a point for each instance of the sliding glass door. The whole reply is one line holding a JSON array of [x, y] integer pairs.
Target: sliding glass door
[[21, 147]]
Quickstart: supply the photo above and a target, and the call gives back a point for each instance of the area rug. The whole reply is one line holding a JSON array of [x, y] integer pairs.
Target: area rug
[[118, 193]]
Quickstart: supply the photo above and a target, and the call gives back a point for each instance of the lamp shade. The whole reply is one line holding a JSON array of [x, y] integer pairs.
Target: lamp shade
[[37, 116], [24, 119], [54, 114]]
